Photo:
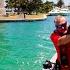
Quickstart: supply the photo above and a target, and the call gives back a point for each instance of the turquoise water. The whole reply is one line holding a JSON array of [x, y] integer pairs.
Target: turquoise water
[[25, 45]]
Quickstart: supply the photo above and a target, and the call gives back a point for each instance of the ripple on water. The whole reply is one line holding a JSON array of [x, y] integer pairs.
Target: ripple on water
[[25, 45]]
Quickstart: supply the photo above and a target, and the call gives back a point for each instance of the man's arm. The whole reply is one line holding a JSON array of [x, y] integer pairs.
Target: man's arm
[[64, 40]]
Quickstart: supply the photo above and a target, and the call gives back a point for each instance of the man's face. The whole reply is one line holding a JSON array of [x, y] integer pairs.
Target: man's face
[[61, 27], [61, 24]]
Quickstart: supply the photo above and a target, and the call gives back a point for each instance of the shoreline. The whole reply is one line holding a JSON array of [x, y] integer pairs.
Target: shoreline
[[17, 18]]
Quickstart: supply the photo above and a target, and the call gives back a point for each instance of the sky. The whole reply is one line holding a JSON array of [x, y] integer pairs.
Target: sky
[[55, 1]]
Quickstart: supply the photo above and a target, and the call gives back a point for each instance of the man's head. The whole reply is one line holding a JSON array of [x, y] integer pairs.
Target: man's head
[[60, 23]]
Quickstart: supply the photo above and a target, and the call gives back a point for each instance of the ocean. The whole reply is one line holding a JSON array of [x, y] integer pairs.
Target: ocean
[[26, 45]]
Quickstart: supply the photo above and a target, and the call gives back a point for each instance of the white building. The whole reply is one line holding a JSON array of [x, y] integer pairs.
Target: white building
[[2, 7]]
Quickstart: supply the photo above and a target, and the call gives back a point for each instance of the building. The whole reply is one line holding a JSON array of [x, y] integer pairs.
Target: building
[[2, 7]]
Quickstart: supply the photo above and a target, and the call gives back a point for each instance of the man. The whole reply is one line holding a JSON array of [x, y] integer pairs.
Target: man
[[61, 41]]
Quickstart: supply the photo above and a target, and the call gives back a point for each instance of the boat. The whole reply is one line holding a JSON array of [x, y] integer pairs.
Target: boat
[[60, 11], [63, 64], [53, 61]]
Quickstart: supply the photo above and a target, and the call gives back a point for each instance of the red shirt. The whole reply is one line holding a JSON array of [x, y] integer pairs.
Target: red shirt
[[54, 37]]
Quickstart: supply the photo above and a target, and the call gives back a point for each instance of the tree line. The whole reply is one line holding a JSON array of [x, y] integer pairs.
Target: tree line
[[32, 6], [29, 6]]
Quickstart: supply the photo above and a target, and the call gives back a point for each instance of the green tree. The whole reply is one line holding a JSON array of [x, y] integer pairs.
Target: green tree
[[48, 6], [30, 5], [34, 5], [60, 3]]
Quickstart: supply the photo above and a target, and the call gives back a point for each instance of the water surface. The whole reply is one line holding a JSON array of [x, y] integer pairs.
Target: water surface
[[25, 45]]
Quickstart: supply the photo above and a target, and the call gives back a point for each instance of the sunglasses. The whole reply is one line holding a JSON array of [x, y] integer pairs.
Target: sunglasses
[[62, 26]]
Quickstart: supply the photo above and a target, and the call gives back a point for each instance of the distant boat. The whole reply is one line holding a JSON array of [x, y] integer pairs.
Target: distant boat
[[57, 11]]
